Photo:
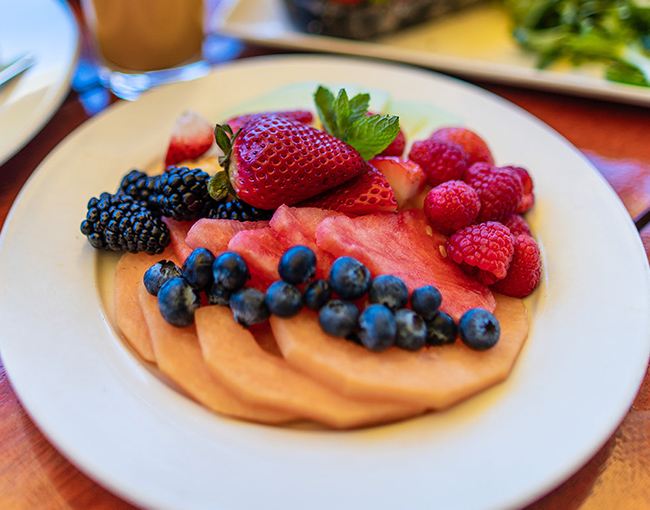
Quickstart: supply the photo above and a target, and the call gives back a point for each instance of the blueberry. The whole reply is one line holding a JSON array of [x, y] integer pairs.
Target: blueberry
[[197, 269], [349, 278], [390, 291], [283, 299], [249, 307], [425, 301], [338, 318], [316, 294], [411, 330], [442, 329], [158, 274], [297, 265], [230, 270], [377, 328], [218, 295], [479, 329], [177, 301]]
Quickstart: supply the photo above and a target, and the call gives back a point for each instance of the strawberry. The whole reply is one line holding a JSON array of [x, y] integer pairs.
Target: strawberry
[[192, 137], [405, 177], [304, 116], [367, 193], [473, 144], [275, 160]]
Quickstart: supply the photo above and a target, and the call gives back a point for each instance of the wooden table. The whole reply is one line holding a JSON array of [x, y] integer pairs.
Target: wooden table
[[33, 475]]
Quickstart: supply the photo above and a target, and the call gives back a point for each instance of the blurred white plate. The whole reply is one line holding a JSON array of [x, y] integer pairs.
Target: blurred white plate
[[115, 419], [474, 43], [47, 30]]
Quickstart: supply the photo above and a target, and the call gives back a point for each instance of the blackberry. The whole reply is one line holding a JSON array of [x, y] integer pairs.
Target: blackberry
[[138, 185], [237, 210], [181, 193], [120, 222]]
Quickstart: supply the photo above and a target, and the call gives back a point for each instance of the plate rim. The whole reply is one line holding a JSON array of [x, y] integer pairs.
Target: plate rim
[[252, 63], [59, 89]]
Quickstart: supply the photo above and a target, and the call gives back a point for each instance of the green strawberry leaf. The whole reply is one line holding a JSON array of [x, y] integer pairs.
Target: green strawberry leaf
[[219, 186], [347, 120], [371, 135]]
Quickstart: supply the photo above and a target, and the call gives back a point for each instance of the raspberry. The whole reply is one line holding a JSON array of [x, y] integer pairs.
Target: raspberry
[[473, 144], [499, 189], [451, 205], [517, 225], [440, 160], [528, 200], [525, 270], [483, 250]]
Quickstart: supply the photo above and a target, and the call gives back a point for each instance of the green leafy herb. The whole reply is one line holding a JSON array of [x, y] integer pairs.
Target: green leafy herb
[[614, 32], [348, 120]]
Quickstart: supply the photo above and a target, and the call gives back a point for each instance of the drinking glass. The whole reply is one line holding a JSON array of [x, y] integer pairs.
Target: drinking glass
[[144, 43]]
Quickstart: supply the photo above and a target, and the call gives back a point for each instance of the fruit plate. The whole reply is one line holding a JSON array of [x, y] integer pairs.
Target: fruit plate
[[473, 43], [47, 30], [127, 428]]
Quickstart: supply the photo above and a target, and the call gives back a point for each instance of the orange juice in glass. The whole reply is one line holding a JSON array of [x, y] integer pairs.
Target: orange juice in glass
[[143, 43]]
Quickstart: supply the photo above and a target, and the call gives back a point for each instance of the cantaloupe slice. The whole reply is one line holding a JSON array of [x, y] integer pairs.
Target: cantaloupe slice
[[238, 361], [128, 314], [179, 357], [435, 377]]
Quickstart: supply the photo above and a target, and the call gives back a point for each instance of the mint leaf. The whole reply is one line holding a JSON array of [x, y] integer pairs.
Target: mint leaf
[[359, 107], [324, 100], [347, 120], [342, 114], [371, 135]]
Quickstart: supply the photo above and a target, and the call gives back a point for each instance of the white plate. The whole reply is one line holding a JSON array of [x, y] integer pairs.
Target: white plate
[[474, 43], [109, 414], [46, 29]]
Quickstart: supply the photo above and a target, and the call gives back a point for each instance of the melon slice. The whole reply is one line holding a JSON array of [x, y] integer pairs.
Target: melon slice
[[405, 245], [261, 250], [434, 377], [257, 376], [128, 314], [215, 234], [265, 339], [179, 357], [178, 231], [297, 226]]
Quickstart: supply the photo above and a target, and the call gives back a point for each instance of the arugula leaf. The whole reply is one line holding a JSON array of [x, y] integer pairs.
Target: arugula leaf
[[614, 32], [348, 120]]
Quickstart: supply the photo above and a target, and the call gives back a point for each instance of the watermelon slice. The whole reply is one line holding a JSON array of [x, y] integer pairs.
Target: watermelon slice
[[178, 231], [261, 250], [297, 226], [215, 234], [406, 246]]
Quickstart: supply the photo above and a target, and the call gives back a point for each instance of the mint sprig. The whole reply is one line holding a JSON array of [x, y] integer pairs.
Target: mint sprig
[[347, 120]]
